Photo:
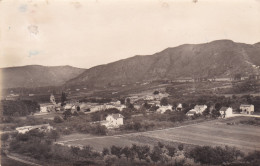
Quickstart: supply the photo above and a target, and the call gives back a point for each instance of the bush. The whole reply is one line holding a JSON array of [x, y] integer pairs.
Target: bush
[[98, 129], [58, 119], [4, 136], [19, 108], [213, 155], [164, 101]]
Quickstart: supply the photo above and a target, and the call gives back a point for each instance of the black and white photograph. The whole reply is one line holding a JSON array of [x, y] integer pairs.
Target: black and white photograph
[[130, 82]]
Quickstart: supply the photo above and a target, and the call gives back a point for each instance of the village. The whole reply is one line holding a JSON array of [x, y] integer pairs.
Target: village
[[155, 103], [140, 122]]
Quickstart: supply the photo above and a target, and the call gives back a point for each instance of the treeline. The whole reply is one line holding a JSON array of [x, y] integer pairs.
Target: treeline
[[96, 100], [19, 107], [234, 101], [41, 146]]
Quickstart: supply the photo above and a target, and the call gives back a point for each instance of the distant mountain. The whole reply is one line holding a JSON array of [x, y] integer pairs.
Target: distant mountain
[[221, 58], [37, 76]]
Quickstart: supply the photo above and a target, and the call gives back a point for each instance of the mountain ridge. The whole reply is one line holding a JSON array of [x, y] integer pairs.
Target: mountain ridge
[[31, 76], [220, 58]]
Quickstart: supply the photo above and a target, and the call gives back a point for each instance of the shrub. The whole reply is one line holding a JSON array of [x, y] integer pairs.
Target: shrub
[[58, 119]]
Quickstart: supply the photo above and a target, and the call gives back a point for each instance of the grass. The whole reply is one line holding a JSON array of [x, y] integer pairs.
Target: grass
[[5, 161], [212, 133]]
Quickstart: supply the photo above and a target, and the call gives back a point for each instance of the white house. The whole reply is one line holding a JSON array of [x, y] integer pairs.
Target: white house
[[43, 127], [247, 109], [113, 121], [47, 107], [163, 109], [191, 112], [226, 112], [179, 107], [198, 109]]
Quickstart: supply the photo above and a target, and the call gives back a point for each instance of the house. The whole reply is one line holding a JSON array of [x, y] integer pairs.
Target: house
[[46, 107], [226, 112], [12, 97], [43, 128], [68, 107], [247, 108], [198, 109], [191, 112], [148, 97], [160, 96], [163, 109], [113, 121], [179, 107]]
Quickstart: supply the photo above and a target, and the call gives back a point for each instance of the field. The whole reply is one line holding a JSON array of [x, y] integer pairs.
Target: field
[[213, 133]]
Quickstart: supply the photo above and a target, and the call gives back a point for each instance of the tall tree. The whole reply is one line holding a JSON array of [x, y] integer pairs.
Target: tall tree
[[171, 150], [156, 154], [54, 134], [164, 101], [63, 98], [115, 150]]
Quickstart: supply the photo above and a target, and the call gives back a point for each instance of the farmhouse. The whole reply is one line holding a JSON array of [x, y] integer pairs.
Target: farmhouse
[[247, 109], [46, 107], [179, 107], [163, 109], [198, 109], [226, 112], [43, 127], [191, 112], [113, 121], [12, 97]]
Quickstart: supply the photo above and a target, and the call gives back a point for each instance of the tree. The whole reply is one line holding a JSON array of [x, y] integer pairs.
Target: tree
[[99, 130], [4, 136], [171, 150], [58, 119], [180, 147], [137, 126], [153, 108], [54, 134], [87, 151], [67, 114], [115, 150], [161, 145], [206, 112], [156, 154], [110, 160], [127, 152], [212, 155], [164, 101], [146, 105], [105, 151], [75, 150], [253, 157], [35, 133], [142, 152], [63, 98], [215, 113]]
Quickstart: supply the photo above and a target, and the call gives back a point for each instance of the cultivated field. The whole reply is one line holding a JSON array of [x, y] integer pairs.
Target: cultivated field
[[213, 133]]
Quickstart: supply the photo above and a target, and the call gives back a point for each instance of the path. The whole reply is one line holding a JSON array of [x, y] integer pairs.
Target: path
[[21, 160]]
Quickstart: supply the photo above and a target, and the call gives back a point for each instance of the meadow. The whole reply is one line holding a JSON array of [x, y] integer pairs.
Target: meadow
[[214, 133]]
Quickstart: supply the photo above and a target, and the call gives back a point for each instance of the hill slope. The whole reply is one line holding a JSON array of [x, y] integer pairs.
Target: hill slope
[[221, 58], [37, 76]]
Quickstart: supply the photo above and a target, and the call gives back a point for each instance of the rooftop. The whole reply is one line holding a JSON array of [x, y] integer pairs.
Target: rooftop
[[116, 116]]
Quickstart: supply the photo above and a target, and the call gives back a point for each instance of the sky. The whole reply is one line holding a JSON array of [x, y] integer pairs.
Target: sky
[[86, 33]]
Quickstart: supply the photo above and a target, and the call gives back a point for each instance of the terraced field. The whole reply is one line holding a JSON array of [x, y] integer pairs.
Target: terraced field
[[213, 133]]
